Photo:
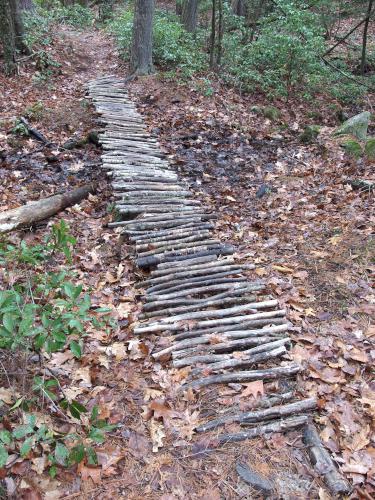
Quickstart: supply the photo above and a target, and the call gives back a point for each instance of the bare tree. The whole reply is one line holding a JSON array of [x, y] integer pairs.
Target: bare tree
[[364, 42], [190, 15], [8, 36], [141, 51]]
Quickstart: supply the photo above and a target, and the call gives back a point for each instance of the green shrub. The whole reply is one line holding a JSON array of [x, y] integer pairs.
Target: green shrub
[[284, 58], [173, 47], [43, 311]]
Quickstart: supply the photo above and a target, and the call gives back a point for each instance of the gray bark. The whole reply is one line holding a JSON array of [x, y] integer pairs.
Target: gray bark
[[190, 15], [7, 36], [141, 51]]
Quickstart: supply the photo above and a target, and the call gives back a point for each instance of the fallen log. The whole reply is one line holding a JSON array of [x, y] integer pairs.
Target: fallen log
[[278, 426], [32, 131], [36, 211], [264, 402], [245, 376], [216, 358], [323, 462]]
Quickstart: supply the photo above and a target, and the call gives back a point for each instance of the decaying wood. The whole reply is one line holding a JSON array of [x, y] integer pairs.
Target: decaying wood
[[218, 358], [323, 462], [245, 358], [36, 211], [245, 376], [264, 402], [234, 329], [260, 430], [198, 306], [245, 362]]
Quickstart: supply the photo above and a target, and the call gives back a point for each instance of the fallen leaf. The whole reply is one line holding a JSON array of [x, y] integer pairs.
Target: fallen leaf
[[157, 434]]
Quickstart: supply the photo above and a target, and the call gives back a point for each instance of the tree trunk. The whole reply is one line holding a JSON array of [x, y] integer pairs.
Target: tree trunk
[[141, 51], [221, 32], [18, 27], [364, 43], [178, 7], [190, 15], [7, 36], [36, 211], [239, 7], [213, 35]]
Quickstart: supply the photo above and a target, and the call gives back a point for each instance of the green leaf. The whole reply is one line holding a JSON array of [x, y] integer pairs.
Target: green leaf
[[92, 457], [75, 348], [26, 446], [97, 435], [17, 403], [52, 471], [61, 454], [3, 455], [77, 408], [77, 454], [22, 431], [59, 336], [5, 436], [8, 322], [94, 413]]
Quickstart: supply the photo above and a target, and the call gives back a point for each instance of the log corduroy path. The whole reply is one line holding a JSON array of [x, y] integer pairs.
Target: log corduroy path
[[218, 322]]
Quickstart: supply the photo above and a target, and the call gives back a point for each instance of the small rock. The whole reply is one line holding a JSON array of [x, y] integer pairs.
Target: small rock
[[255, 480], [263, 190], [356, 125]]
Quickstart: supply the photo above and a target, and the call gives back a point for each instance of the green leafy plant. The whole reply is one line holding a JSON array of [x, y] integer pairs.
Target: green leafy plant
[[20, 129], [43, 311], [173, 47]]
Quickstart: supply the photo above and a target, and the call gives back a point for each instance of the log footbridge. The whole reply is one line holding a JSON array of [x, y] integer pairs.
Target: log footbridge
[[224, 326]]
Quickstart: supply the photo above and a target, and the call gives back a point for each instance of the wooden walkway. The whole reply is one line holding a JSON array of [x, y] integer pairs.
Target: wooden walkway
[[218, 322]]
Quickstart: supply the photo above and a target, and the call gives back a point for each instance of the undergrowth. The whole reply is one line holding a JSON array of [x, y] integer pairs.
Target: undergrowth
[[43, 309], [282, 59]]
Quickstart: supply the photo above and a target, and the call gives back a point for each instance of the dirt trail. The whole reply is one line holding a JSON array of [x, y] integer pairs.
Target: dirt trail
[[117, 373]]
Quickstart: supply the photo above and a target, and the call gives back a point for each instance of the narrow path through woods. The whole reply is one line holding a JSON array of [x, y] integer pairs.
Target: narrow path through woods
[[218, 149]]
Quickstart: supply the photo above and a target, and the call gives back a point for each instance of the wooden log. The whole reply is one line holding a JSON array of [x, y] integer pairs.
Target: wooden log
[[205, 226], [264, 402], [214, 279], [245, 376], [229, 346], [198, 270], [161, 242], [177, 246], [281, 411], [206, 289], [182, 254], [197, 306], [323, 462], [36, 211], [216, 313], [168, 217], [245, 362], [251, 337], [153, 209], [277, 426], [175, 265], [218, 358], [234, 330], [193, 277], [256, 480], [137, 234], [150, 186], [163, 270]]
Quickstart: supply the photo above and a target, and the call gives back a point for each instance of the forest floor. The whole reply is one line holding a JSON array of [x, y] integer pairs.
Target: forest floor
[[286, 206]]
